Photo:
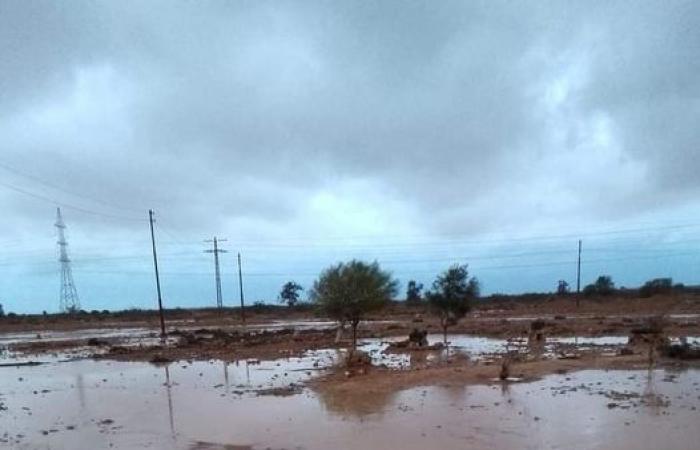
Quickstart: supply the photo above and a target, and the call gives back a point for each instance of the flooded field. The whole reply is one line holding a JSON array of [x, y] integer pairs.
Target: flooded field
[[207, 405], [284, 385], [143, 334]]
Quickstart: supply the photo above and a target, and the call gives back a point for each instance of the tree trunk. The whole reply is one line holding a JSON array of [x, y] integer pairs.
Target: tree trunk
[[339, 331], [354, 334], [444, 323]]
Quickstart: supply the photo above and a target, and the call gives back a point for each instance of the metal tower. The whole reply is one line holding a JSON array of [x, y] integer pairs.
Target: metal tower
[[69, 301], [216, 250]]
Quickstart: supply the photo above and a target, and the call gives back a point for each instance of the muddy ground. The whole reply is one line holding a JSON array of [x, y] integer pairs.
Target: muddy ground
[[208, 334], [612, 310], [283, 360]]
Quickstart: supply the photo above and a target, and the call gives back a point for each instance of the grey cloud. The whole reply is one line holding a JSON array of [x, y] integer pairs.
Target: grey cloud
[[248, 108]]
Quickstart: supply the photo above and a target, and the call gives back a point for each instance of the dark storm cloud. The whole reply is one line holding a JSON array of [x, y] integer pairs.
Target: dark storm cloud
[[477, 114]]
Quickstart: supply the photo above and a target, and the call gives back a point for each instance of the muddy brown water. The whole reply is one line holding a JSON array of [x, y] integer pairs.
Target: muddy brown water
[[88, 404]]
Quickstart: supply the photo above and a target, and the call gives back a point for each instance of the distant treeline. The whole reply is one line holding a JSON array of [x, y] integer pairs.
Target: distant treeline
[[603, 287], [170, 313]]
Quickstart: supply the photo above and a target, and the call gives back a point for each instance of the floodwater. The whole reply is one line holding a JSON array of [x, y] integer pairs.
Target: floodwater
[[597, 340], [57, 336], [143, 333], [88, 404], [475, 347], [479, 347]]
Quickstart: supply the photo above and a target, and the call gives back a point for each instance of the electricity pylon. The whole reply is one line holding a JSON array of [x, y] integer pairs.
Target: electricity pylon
[[216, 250], [69, 301]]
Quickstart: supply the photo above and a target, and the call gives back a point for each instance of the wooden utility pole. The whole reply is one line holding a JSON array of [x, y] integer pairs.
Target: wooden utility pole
[[155, 265], [240, 287], [578, 275]]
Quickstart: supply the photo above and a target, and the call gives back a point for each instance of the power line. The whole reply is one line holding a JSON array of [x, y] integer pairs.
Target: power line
[[67, 205], [473, 267], [332, 242], [195, 257], [15, 171], [447, 239]]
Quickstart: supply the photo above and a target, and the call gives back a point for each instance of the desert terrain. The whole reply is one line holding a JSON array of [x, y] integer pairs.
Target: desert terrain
[[517, 372]]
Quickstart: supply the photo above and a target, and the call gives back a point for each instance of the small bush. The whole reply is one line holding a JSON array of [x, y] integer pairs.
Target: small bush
[[655, 287], [603, 286], [589, 290]]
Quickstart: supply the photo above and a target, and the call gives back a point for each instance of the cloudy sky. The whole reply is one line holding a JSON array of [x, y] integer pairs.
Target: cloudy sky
[[416, 133]]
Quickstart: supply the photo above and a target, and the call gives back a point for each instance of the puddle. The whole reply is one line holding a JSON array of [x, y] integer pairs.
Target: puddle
[[58, 336], [477, 347], [142, 333], [588, 341], [473, 346], [684, 316], [98, 404], [610, 341], [277, 325]]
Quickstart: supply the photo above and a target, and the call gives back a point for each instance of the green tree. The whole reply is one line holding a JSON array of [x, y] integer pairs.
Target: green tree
[[413, 293], [451, 295], [656, 286], [290, 293], [604, 285], [348, 291], [589, 290]]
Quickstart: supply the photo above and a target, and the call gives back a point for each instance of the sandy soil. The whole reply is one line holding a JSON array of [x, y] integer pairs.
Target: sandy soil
[[207, 335], [460, 371], [286, 361], [212, 334], [610, 310]]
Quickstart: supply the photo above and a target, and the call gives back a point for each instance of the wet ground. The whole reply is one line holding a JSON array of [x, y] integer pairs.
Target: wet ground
[[95, 404]]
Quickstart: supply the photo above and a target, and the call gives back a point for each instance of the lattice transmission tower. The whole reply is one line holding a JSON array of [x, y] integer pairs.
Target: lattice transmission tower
[[69, 301], [217, 272]]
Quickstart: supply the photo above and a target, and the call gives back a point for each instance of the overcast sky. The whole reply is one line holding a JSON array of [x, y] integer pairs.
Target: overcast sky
[[417, 133]]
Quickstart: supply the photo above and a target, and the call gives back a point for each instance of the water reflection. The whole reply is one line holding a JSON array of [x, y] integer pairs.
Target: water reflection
[[505, 390], [226, 383], [80, 387], [358, 405], [168, 390], [559, 411]]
